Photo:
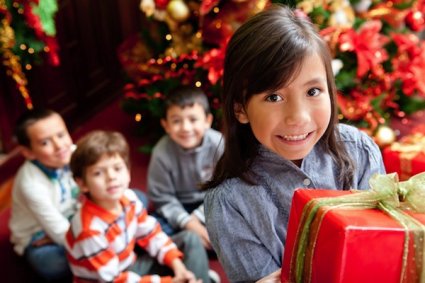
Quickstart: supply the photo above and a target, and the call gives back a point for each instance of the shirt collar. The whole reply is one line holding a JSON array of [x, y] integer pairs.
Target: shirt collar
[[51, 173]]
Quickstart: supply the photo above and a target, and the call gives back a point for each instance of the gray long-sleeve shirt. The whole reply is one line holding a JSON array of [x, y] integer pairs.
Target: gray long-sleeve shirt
[[174, 176], [247, 224]]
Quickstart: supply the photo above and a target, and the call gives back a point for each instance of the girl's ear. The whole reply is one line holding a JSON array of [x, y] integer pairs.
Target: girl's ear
[[82, 185], [27, 152], [240, 113]]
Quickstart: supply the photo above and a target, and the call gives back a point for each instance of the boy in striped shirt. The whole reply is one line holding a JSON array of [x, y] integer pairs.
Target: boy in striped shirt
[[111, 221]]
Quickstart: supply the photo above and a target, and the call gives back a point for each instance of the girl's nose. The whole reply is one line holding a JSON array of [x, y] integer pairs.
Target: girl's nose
[[297, 114]]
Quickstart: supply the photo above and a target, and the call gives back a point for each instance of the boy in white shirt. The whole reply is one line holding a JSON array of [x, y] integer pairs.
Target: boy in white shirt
[[44, 193]]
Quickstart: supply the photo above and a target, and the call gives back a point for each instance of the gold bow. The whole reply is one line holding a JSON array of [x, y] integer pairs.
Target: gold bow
[[387, 194]]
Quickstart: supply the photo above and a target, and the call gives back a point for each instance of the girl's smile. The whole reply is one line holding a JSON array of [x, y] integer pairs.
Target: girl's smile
[[292, 119], [294, 138]]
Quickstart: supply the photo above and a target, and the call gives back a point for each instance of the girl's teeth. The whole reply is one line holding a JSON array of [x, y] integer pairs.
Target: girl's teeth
[[295, 138]]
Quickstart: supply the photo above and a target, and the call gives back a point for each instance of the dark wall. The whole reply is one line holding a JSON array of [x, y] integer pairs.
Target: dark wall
[[89, 76]]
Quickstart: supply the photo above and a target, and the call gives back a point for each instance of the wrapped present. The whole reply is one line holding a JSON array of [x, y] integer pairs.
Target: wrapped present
[[406, 157], [357, 236]]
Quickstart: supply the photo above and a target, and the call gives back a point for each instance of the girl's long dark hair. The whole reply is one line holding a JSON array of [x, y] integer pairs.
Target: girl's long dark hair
[[265, 54]]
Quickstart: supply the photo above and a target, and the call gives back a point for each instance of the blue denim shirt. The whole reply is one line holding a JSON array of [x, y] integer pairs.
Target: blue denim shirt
[[247, 223]]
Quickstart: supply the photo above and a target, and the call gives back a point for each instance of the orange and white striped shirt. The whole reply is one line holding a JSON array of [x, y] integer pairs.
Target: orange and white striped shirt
[[100, 244]]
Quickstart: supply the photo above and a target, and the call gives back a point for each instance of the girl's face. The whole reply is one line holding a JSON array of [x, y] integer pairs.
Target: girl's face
[[291, 120]]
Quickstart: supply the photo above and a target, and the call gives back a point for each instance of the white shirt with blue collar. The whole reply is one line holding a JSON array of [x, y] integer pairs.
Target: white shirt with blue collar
[[43, 200]]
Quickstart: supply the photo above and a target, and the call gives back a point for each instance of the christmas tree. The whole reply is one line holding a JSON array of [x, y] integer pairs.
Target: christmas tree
[[27, 36], [379, 58]]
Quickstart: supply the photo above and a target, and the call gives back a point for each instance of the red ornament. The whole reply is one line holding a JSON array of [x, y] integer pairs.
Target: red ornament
[[207, 5], [161, 4], [415, 20]]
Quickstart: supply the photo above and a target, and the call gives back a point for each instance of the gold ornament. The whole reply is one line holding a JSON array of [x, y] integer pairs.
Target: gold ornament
[[384, 136], [178, 10]]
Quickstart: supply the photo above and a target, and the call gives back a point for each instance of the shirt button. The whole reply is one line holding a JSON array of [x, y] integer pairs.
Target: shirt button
[[306, 182]]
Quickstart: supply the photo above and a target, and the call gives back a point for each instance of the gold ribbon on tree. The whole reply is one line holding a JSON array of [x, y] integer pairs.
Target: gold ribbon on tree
[[10, 60], [409, 148], [387, 194]]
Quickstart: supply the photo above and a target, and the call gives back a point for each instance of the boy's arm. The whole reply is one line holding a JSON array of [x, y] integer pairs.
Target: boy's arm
[[91, 258], [40, 204], [150, 237], [162, 193], [197, 227], [200, 214]]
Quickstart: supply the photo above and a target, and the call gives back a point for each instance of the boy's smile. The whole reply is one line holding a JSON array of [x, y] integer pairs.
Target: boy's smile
[[186, 126], [50, 141], [291, 120]]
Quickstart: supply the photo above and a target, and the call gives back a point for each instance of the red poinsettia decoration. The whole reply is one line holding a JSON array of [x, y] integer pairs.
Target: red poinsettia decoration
[[368, 45], [381, 58]]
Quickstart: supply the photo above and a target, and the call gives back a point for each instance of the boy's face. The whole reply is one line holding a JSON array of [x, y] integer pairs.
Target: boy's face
[[105, 181], [50, 142], [186, 126]]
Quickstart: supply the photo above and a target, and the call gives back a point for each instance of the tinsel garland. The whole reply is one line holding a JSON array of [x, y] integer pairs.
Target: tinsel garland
[[9, 59], [38, 16]]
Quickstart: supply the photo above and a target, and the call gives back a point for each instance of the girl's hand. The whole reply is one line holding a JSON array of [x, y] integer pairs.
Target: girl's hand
[[181, 274], [271, 278], [196, 226]]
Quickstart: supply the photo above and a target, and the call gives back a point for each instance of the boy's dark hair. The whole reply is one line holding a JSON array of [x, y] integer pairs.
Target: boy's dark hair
[[265, 54], [186, 96], [92, 146], [27, 119]]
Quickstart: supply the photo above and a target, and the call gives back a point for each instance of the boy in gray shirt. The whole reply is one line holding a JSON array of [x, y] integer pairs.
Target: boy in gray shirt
[[183, 159]]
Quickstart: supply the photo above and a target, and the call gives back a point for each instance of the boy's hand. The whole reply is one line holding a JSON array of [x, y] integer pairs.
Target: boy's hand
[[41, 242], [271, 278], [181, 274], [196, 226]]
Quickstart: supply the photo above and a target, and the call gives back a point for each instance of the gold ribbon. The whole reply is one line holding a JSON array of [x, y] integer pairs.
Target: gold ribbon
[[9, 59], [409, 148], [387, 194]]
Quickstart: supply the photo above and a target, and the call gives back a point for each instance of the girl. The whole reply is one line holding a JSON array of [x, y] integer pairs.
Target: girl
[[281, 133]]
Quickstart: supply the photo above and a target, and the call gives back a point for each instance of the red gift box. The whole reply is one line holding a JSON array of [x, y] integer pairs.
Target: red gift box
[[406, 157], [352, 245]]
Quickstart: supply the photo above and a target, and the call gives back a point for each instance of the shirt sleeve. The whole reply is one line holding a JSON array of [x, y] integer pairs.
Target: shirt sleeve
[[91, 258], [240, 251], [200, 213], [151, 238], [38, 201], [369, 161], [162, 193]]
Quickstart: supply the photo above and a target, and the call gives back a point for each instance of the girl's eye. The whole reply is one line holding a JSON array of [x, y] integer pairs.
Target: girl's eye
[[273, 98], [313, 92]]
